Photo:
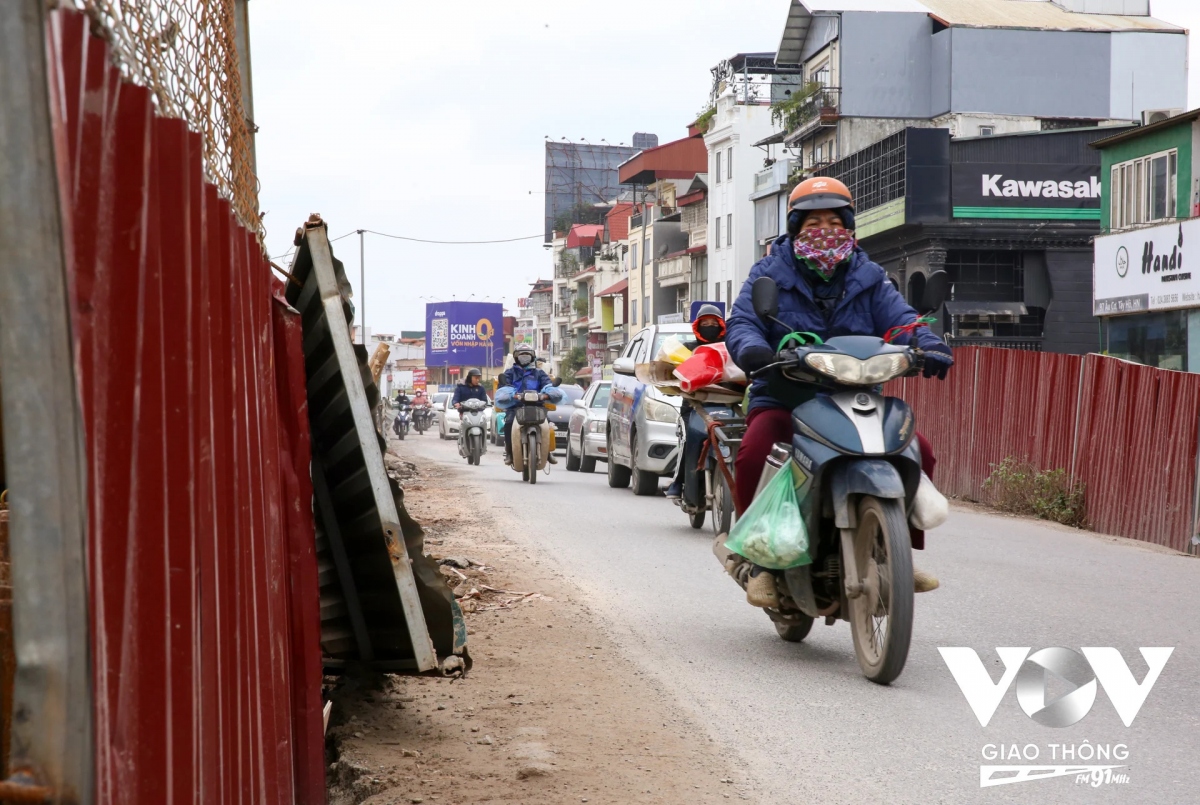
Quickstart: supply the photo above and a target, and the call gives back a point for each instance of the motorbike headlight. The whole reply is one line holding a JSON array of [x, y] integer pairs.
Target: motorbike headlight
[[596, 426], [660, 411], [851, 371]]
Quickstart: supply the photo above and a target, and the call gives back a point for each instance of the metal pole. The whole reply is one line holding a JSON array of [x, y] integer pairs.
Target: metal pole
[[45, 457], [241, 18], [362, 289]]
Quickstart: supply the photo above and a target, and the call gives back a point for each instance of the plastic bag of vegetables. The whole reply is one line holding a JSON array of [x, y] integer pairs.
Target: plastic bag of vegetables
[[772, 533]]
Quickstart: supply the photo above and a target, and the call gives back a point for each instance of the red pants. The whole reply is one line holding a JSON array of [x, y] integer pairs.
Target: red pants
[[764, 427]]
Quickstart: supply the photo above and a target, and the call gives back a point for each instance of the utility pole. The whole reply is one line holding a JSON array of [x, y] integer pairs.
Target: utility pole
[[362, 288]]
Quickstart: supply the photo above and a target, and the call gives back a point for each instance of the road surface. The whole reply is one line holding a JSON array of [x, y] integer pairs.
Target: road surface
[[805, 724]]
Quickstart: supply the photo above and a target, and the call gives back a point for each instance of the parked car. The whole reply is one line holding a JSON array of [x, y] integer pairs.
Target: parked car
[[586, 430], [642, 439], [561, 416], [440, 401], [448, 419]]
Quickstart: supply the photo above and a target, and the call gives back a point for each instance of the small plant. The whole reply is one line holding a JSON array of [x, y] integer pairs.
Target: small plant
[[704, 119], [1020, 487], [581, 306], [573, 362], [796, 110]]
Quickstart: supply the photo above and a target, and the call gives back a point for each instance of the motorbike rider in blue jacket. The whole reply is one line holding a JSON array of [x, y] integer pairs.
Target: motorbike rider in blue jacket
[[524, 375], [827, 286]]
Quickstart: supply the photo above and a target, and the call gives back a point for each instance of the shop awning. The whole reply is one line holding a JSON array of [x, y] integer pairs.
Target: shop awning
[[615, 290], [986, 309]]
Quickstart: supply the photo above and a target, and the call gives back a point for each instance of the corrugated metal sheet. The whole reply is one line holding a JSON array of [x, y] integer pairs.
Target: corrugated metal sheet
[[1070, 146], [1037, 15], [382, 600], [202, 569], [1130, 433]]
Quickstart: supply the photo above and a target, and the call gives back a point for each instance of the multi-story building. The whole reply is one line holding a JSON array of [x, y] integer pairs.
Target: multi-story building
[[580, 175], [535, 317], [738, 119], [772, 186], [1145, 292], [974, 67], [655, 228]]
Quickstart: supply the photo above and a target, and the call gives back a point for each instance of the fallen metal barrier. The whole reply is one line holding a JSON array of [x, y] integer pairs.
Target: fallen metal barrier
[[383, 603]]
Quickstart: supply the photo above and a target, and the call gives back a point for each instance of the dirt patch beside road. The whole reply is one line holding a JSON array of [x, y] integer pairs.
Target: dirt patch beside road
[[551, 712]]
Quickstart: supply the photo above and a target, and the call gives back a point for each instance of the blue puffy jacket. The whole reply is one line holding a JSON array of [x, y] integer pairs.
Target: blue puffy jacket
[[525, 378], [869, 305]]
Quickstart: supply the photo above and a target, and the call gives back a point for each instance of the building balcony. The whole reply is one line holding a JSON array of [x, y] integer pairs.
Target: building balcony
[[821, 109], [674, 269]]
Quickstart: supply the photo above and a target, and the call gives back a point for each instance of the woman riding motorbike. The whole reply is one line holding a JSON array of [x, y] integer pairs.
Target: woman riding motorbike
[[827, 286], [709, 328], [524, 375]]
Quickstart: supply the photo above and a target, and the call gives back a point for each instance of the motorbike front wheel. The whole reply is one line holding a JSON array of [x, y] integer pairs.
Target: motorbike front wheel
[[881, 617], [476, 449], [531, 455]]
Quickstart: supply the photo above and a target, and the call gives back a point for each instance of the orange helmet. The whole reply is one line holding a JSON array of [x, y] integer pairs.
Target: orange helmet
[[820, 193]]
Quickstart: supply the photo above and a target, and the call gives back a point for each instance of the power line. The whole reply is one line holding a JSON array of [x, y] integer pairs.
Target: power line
[[454, 242], [335, 240]]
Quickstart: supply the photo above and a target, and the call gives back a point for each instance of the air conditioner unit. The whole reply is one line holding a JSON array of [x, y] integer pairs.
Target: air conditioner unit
[[1152, 116]]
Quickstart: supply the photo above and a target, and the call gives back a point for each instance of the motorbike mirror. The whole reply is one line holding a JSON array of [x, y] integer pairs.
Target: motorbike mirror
[[764, 295], [937, 285]]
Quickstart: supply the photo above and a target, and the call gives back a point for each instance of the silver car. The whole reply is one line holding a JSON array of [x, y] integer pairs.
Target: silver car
[[586, 441], [643, 445]]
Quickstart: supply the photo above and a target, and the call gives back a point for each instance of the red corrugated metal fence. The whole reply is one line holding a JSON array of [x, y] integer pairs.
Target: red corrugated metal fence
[[1128, 432], [202, 570]]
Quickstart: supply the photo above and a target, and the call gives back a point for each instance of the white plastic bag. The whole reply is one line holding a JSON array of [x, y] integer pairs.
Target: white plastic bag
[[930, 507]]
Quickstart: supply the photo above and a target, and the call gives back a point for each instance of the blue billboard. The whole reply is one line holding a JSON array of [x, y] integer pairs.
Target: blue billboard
[[464, 334]]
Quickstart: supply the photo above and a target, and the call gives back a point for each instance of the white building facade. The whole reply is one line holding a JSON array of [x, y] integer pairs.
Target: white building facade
[[733, 161]]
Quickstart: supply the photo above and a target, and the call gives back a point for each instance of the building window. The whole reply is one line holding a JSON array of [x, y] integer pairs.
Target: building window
[[1153, 339], [717, 292], [821, 74], [633, 313], [718, 170], [729, 229], [645, 311], [717, 233], [987, 131], [729, 164], [1144, 190], [729, 292], [633, 253]]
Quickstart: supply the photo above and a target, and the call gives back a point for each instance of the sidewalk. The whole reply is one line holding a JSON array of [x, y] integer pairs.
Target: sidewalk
[[551, 712]]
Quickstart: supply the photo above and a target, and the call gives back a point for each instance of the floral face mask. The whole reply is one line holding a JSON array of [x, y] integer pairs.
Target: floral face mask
[[824, 249]]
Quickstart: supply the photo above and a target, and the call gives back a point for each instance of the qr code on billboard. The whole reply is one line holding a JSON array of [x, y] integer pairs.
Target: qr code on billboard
[[440, 335]]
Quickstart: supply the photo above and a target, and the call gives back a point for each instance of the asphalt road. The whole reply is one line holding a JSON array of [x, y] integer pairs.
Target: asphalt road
[[805, 724]]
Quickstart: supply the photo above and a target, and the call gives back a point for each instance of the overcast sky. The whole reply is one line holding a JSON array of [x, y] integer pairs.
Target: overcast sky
[[427, 119]]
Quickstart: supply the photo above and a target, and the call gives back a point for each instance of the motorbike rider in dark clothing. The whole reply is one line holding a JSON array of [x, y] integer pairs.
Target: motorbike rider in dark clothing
[[709, 328], [470, 389], [828, 286], [523, 376]]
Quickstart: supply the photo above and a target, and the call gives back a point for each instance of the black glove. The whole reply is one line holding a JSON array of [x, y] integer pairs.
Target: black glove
[[938, 360], [754, 358]]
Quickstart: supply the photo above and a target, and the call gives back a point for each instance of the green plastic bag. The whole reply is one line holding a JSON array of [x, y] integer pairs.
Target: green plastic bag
[[772, 533]]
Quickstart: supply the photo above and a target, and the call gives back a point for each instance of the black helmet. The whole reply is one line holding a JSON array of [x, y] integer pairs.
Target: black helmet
[[474, 373]]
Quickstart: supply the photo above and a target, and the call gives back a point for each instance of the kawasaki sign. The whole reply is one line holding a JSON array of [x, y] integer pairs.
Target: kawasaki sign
[[1004, 190]]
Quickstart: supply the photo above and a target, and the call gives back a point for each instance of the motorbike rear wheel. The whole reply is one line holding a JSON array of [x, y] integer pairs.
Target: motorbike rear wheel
[[881, 617], [722, 504]]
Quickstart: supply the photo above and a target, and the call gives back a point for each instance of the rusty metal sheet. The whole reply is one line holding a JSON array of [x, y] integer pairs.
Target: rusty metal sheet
[[382, 601], [1130, 433], [202, 574]]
